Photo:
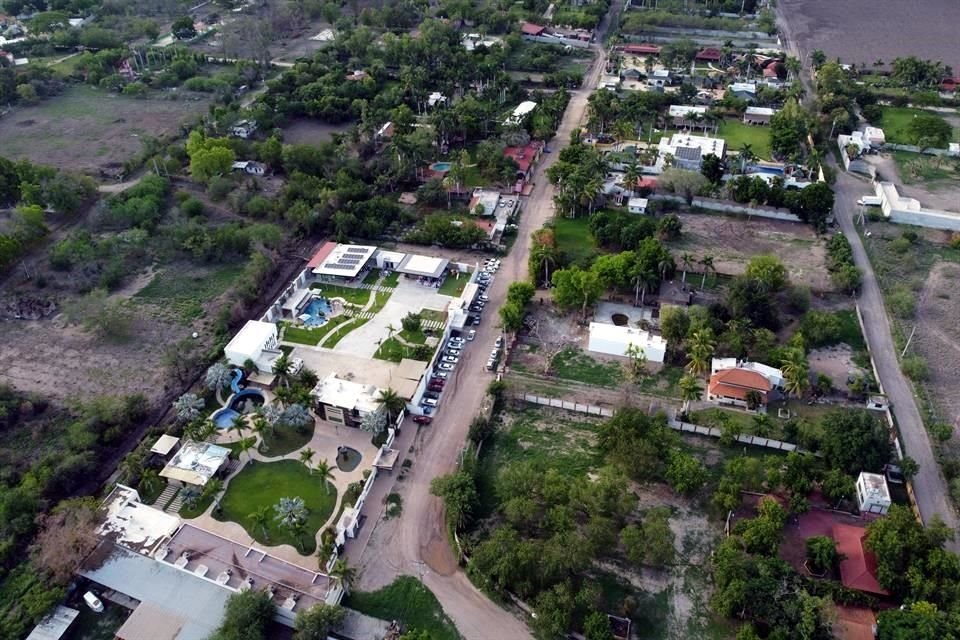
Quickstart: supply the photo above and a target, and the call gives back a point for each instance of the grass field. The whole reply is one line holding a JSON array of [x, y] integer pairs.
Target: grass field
[[85, 128], [896, 124], [263, 484], [311, 335], [574, 239], [453, 287], [284, 440], [186, 291], [928, 171], [573, 364], [407, 600], [737, 134], [359, 297]]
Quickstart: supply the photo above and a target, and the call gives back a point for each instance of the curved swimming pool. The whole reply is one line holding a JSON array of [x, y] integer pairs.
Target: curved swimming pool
[[241, 403]]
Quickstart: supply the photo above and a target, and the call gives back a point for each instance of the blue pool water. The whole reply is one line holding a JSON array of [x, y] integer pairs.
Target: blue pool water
[[243, 402], [440, 166], [317, 310], [774, 171]]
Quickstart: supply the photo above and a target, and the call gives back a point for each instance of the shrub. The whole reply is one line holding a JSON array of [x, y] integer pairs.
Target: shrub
[[821, 554], [915, 368]]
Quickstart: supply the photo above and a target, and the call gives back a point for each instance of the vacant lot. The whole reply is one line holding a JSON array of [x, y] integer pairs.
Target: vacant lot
[[886, 29], [896, 124], [938, 336], [85, 129], [307, 131], [732, 242]]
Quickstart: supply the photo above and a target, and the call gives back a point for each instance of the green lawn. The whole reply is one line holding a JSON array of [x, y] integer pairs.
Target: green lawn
[[413, 337], [284, 440], [573, 364], [372, 277], [186, 291], [407, 600], [453, 286], [896, 124], [432, 314], [263, 484], [311, 335], [737, 134], [340, 333], [391, 281], [574, 239], [359, 297]]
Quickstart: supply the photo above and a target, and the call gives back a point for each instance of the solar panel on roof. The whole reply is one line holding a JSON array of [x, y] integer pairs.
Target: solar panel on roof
[[355, 250]]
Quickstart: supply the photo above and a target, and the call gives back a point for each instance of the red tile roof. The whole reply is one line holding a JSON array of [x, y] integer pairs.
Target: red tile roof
[[530, 29], [736, 383], [709, 54], [642, 48], [317, 259], [858, 569], [523, 156]]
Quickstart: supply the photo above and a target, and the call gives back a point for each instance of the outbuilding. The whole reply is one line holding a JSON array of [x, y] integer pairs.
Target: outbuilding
[[614, 340], [873, 494]]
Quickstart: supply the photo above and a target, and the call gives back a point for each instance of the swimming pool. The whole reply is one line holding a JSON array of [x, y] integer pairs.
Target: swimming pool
[[315, 313], [774, 171], [440, 166], [246, 401]]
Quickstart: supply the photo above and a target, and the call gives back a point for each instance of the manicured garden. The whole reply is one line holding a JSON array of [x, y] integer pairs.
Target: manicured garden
[[738, 134], [359, 297], [454, 286], [391, 281], [407, 600], [261, 485], [311, 335], [283, 440]]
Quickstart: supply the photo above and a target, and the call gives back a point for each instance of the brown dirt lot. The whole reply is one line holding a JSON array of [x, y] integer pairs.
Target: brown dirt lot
[[885, 29], [307, 131], [732, 242], [85, 128], [938, 337]]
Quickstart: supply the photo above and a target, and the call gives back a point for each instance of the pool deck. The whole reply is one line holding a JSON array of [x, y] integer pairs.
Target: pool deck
[[326, 438]]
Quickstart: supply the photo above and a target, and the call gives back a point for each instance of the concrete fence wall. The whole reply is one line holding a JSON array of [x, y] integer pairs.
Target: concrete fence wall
[[724, 206], [573, 42], [915, 149]]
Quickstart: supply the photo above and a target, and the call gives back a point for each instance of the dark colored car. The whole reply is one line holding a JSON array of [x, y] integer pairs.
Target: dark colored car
[[433, 395], [422, 419]]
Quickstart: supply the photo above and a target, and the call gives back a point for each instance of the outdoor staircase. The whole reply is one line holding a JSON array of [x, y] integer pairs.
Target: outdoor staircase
[[165, 496], [175, 504]]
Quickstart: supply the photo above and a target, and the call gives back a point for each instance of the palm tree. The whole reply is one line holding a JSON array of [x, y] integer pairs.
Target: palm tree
[[700, 350], [298, 529], [212, 488], [686, 260], [746, 155], [245, 446], [762, 425], [344, 573], [238, 424], [631, 176], [689, 391], [796, 372], [306, 457], [324, 471], [281, 368], [636, 367], [392, 402], [707, 263], [149, 482], [260, 519]]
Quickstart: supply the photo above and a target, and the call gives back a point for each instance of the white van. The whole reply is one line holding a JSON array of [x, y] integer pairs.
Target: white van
[[430, 402], [93, 602]]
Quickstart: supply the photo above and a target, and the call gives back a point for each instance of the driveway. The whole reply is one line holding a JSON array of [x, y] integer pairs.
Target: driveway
[[416, 543], [929, 485]]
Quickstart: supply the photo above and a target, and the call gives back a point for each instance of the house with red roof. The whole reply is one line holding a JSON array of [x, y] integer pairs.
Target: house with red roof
[[642, 49], [733, 386], [709, 54], [526, 158], [858, 568], [530, 29]]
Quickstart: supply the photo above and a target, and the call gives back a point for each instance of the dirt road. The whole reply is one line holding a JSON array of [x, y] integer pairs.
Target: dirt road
[[929, 484], [416, 543]]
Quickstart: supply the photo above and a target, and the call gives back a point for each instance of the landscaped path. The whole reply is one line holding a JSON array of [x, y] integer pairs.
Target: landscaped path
[[929, 485], [416, 542], [324, 442]]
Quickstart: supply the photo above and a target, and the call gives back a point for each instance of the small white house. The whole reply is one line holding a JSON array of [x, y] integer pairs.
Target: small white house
[[637, 205], [244, 129], [873, 495], [250, 342], [613, 340], [250, 167]]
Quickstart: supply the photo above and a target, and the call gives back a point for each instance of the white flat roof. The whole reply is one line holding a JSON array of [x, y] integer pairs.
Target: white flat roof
[[748, 87], [680, 110], [524, 108], [394, 257], [760, 111], [418, 265], [347, 394], [252, 337], [626, 335], [876, 485], [716, 146], [345, 261], [633, 203], [132, 524], [55, 624], [164, 444], [196, 462]]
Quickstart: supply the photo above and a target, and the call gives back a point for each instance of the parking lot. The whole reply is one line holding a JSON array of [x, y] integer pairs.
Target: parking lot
[[453, 349]]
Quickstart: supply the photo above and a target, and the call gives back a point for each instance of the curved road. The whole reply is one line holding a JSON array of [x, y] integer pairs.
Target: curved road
[[416, 543]]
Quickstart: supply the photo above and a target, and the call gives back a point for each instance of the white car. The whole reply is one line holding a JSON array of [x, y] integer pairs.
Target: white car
[[484, 298], [471, 334], [451, 359], [453, 352], [443, 366], [429, 402], [92, 601], [499, 342], [456, 340]]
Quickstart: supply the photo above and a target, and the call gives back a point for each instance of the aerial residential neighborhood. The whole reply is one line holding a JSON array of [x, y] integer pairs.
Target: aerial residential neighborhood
[[595, 319]]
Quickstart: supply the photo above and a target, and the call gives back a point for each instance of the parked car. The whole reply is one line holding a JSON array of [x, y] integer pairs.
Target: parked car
[[484, 297], [475, 318], [432, 395], [429, 402], [451, 359], [453, 352], [491, 364], [422, 419], [456, 343], [471, 334], [443, 366], [438, 380], [499, 342], [426, 410], [442, 375], [92, 601]]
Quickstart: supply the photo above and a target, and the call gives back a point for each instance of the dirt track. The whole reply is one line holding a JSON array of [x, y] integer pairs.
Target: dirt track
[[416, 543]]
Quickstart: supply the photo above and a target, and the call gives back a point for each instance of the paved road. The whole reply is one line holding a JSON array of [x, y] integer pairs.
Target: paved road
[[416, 543], [929, 484]]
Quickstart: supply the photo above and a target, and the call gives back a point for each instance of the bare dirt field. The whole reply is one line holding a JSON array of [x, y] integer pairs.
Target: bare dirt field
[[885, 29], [939, 195], [938, 337], [307, 131], [84, 128], [733, 242]]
